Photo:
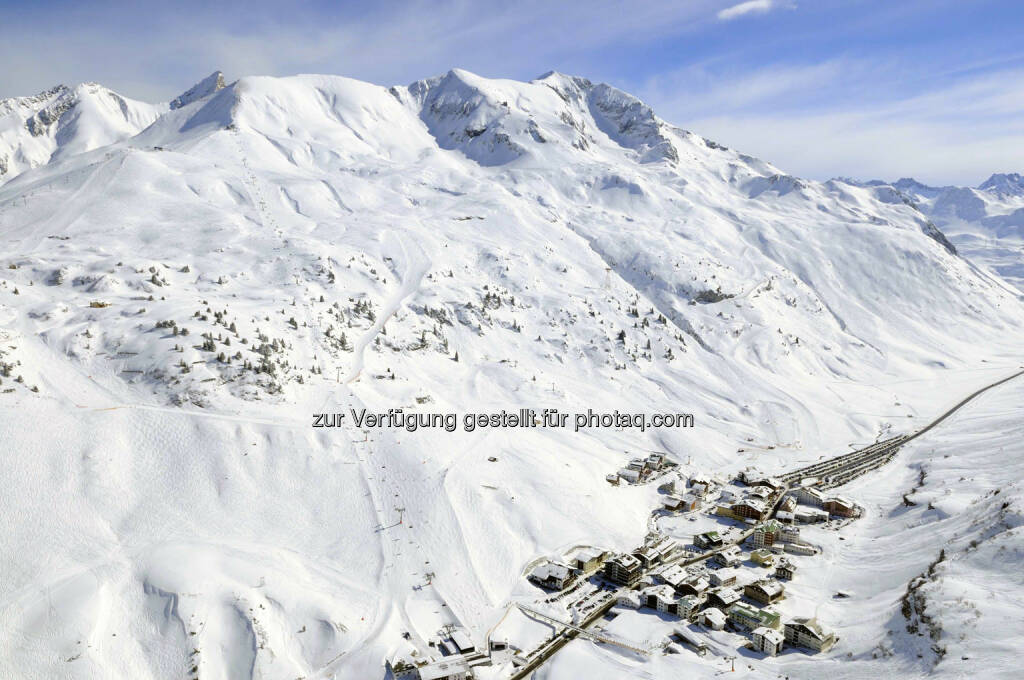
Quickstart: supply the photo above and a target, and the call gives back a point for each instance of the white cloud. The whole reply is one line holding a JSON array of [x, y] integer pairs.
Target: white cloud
[[705, 90], [869, 117], [406, 41], [748, 7], [957, 134]]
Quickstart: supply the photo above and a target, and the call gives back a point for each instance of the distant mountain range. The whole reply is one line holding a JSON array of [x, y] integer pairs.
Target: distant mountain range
[[985, 222]]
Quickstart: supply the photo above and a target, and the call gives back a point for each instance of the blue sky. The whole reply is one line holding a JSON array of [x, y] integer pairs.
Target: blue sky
[[821, 88]]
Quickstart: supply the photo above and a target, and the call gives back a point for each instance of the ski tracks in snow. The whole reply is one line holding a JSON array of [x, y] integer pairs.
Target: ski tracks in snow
[[415, 266]]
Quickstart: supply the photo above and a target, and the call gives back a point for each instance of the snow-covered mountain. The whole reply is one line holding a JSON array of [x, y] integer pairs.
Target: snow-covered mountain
[[986, 221], [184, 284], [64, 121]]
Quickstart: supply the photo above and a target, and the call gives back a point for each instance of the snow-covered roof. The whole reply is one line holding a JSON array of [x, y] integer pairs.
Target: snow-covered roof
[[443, 669], [811, 625], [726, 594], [462, 641], [626, 560], [714, 614], [664, 593], [586, 554], [770, 634], [770, 588], [724, 574], [550, 569], [674, 575]]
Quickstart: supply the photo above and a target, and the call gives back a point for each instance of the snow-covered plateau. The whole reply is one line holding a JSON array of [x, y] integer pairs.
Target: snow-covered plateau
[[183, 285]]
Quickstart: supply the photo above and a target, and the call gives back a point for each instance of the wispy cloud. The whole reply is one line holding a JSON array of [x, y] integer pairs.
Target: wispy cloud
[[811, 121], [748, 7], [158, 54]]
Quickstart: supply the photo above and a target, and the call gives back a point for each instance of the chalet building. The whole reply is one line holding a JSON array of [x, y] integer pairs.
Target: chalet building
[[765, 592], [709, 539], [700, 489], [638, 464], [767, 640], [765, 535], [704, 480], [762, 557], [623, 569], [712, 618], [808, 633], [801, 549], [840, 507], [552, 575], [760, 492], [586, 560], [403, 669], [688, 606], [723, 598], [785, 570], [674, 575], [657, 551], [673, 487], [724, 577], [749, 508], [728, 557], [631, 476], [695, 585], [662, 599], [746, 617], [810, 496], [789, 534], [752, 476], [672, 503], [724, 508], [691, 502], [810, 515]]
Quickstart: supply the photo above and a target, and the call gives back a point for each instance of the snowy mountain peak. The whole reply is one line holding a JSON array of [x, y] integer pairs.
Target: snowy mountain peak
[[64, 121], [568, 87], [34, 102], [1004, 184], [204, 88], [909, 185]]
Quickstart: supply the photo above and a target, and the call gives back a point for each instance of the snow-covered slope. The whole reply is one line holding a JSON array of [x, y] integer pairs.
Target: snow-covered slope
[[460, 244], [986, 221]]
